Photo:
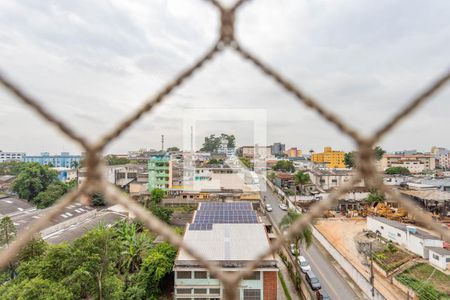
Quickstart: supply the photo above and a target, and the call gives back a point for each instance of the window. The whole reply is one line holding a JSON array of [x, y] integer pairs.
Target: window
[[184, 275], [184, 291], [200, 291], [252, 294], [334, 180], [200, 274], [253, 276], [436, 257], [382, 227], [447, 259], [214, 291], [399, 235], [211, 276]]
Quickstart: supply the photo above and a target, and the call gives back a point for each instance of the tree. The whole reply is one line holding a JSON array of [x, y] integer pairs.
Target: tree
[[36, 288], [246, 162], [349, 159], [7, 231], [303, 236], [212, 143], [301, 178], [33, 179], [173, 149], [397, 171], [35, 248], [157, 195], [11, 167], [375, 197], [163, 213], [379, 152], [51, 194], [284, 165], [112, 160], [97, 199], [74, 164], [271, 176]]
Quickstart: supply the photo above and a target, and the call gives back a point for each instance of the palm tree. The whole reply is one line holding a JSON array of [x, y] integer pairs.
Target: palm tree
[[300, 179], [134, 245], [303, 236]]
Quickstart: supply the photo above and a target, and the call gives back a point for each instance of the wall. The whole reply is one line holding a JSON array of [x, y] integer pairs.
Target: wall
[[440, 262], [270, 285], [69, 222], [388, 232], [357, 277]]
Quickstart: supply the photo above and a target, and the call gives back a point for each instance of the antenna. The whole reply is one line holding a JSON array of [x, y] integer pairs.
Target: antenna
[[162, 142]]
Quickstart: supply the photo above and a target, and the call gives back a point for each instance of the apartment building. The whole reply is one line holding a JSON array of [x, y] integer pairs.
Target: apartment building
[[229, 235], [415, 163], [11, 156], [278, 149], [330, 158], [255, 151], [63, 160], [328, 179], [159, 172], [294, 152]]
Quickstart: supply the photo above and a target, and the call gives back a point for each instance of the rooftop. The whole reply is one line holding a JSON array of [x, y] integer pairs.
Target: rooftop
[[435, 195], [12, 206], [441, 251], [419, 233]]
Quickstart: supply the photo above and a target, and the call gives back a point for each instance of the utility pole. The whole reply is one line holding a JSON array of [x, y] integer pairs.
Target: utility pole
[[371, 270], [162, 142]]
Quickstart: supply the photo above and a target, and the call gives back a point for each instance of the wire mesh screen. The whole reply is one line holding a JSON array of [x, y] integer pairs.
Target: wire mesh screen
[[96, 182]]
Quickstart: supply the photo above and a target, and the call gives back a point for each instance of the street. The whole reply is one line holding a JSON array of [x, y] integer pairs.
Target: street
[[336, 286]]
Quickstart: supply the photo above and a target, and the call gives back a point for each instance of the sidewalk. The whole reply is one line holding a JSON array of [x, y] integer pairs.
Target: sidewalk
[[287, 279]]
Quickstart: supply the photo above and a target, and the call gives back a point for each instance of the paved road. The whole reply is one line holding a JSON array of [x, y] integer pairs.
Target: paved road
[[331, 280]]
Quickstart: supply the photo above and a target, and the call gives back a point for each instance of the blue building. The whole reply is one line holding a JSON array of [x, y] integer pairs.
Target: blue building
[[64, 160]]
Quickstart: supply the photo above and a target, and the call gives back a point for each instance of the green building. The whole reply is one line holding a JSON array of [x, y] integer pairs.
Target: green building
[[159, 172]]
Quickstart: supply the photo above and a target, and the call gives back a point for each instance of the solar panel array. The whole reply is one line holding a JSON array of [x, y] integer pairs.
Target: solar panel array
[[223, 213]]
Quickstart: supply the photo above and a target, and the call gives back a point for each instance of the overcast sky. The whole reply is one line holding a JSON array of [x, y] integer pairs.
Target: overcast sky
[[93, 62]]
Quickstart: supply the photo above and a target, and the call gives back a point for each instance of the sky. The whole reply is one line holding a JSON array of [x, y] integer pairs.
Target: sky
[[91, 63]]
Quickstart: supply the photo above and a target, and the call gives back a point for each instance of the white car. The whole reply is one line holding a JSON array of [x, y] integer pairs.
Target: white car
[[293, 249], [268, 207], [304, 265], [283, 206]]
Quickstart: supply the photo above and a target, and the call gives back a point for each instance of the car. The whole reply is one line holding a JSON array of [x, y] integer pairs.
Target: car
[[313, 281], [283, 206], [322, 295], [293, 249], [268, 207], [303, 263]]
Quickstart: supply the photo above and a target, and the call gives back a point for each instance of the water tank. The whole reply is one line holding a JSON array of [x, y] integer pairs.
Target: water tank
[[411, 229]]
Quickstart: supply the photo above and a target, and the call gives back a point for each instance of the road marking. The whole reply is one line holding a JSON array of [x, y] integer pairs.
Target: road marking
[[323, 276]]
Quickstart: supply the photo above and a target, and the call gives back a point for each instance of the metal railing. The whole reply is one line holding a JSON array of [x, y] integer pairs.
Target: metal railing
[[96, 182]]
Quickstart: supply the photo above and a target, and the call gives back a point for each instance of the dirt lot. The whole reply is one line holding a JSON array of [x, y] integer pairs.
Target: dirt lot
[[341, 233]]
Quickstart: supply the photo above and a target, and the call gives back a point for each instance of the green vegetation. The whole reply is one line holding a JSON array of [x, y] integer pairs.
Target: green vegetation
[[391, 257], [112, 160], [285, 166], [215, 161], [11, 167], [246, 162], [152, 204], [426, 281], [303, 236], [212, 143], [397, 171], [301, 178], [106, 263], [350, 157], [39, 185], [283, 284], [375, 197], [173, 149]]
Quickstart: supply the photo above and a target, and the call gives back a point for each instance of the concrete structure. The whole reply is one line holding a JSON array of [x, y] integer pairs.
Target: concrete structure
[[11, 156], [443, 159], [64, 160], [329, 158], [409, 237], [224, 149], [255, 151], [416, 163], [294, 152], [327, 179], [66, 174], [278, 149], [159, 172], [440, 257], [231, 247], [120, 175]]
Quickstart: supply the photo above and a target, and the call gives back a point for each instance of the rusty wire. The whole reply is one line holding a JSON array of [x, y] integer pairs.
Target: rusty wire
[[365, 170]]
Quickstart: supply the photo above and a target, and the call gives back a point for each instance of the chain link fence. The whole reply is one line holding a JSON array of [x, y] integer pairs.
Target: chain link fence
[[365, 167]]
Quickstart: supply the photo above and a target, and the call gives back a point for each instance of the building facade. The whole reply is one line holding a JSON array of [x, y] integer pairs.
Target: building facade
[[416, 163], [159, 172], [294, 152], [255, 151], [230, 241], [278, 149], [330, 158], [11, 156], [63, 160]]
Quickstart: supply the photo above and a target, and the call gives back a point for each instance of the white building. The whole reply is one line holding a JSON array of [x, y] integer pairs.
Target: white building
[[11, 156], [409, 237], [416, 163], [440, 257]]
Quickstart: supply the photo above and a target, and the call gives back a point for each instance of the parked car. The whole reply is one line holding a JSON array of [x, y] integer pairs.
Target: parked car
[[303, 263], [293, 249], [283, 206], [322, 295], [313, 281], [268, 207]]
